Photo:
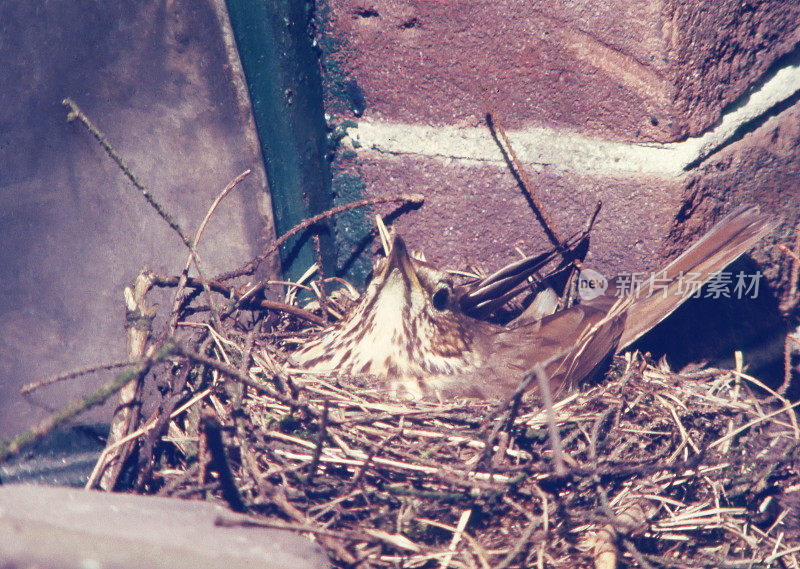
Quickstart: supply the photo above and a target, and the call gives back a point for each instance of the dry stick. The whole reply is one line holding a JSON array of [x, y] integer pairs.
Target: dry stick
[[749, 424], [362, 470], [476, 547], [234, 372], [526, 382], [462, 524], [552, 428], [230, 291], [794, 255], [14, 445], [280, 500], [519, 545], [595, 434], [179, 293], [787, 364], [244, 364], [250, 267], [36, 385], [76, 113], [226, 520], [321, 436], [219, 462], [795, 274], [547, 221], [323, 299], [137, 335], [794, 277], [171, 487], [161, 420], [149, 426]]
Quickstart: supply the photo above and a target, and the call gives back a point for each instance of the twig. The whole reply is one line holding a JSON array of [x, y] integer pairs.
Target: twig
[[151, 425], [552, 428], [230, 291], [523, 386], [756, 421], [244, 364], [323, 297], [795, 272], [359, 475], [161, 421], [280, 500], [234, 373], [36, 385], [786, 403], [12, 446], [476, 547], [462, 524], [219, 462], [76, 113], [519, 545], [321, 436], [787, 364], [179, 293], [230, 521], [250, 267], [547, 222], [595, 434], [139, 319]]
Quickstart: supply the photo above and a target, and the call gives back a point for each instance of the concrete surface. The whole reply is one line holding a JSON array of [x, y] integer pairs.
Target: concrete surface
[[160, 80], [63, 528]]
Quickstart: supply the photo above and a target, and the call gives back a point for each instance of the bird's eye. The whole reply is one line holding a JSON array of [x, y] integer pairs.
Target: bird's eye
[[441, 299]]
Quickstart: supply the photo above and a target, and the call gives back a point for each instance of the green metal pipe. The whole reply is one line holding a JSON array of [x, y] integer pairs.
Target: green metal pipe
[[283, 75]]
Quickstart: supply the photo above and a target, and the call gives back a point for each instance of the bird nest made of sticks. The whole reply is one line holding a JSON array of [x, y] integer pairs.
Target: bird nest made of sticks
[[644, 468]]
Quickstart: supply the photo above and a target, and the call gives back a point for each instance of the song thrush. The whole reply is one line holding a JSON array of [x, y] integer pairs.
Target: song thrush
[[409, 331]]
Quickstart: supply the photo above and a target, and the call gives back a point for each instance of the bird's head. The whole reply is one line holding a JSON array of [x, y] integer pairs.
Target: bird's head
[[407, 326], [407, 283]]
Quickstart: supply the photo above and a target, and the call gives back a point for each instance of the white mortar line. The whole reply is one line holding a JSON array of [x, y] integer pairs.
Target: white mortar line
[[567, 151]]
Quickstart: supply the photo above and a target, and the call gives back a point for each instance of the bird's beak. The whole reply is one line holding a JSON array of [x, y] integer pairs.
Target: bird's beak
[[400, 259]]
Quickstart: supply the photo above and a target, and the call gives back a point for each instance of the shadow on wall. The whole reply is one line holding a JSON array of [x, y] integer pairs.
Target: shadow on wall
[[155, 77], [711, 328]]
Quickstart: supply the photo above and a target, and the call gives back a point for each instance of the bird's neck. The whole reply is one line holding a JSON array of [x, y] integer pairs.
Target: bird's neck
[[392, 344]]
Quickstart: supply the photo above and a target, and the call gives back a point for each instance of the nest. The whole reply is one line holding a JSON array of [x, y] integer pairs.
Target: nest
[[645, 468]]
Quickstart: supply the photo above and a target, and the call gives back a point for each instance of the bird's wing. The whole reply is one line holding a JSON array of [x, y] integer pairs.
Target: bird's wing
[[569, 345]]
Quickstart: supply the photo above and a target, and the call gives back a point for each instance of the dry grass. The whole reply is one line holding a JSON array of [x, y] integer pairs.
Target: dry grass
[[661, 469]]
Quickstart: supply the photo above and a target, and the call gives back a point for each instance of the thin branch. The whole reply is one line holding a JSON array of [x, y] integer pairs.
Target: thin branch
[[236, 374], [219, 462], [323, 297], [36, 385], [552, 428], [75, 113], [250, 268], [12, 446], [321, 436], [230, 291], [179, 293], [547, 221]]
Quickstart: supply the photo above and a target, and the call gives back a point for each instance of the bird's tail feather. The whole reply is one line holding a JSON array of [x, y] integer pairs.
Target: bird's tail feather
[[665, 291]]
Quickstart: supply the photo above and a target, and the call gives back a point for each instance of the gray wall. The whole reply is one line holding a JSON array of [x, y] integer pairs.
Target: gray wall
[[158, 78]]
